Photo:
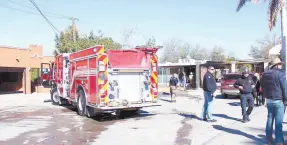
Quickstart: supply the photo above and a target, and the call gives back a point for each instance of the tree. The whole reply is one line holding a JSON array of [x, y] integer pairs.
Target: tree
[[275, 6], [217, 54], [261, 49], [65, 43], [127, 38], [199, 53], [230, 57], [173, 50], [151, 42]]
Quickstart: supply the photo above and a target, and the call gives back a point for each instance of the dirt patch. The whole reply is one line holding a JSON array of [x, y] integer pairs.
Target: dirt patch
[[183, 133]]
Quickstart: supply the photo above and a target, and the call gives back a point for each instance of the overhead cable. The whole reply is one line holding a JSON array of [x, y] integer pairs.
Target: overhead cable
[[53, 27]]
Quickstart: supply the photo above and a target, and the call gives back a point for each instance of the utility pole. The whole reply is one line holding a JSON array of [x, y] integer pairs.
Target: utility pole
[[283, 34], [74, 27]]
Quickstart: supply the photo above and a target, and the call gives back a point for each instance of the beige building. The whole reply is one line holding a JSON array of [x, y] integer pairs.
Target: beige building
[[15, 67]]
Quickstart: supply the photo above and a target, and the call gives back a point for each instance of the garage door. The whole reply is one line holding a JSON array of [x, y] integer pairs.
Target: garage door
[[12, 80]]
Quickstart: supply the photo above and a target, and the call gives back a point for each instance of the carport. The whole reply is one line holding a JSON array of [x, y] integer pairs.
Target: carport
[[12, 80]]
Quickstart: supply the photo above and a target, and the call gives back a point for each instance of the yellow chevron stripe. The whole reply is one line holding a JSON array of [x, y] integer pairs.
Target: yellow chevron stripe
[[152, 61], [154, 77], [105, 87], [155, 59], [101, 51], [105, 60], [99, 81]]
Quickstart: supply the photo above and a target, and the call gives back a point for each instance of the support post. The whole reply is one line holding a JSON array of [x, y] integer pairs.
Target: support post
[[284, 33], [233, 66], [197, 74]]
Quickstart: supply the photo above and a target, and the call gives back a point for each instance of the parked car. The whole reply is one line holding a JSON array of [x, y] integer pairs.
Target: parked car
[[227, 83]]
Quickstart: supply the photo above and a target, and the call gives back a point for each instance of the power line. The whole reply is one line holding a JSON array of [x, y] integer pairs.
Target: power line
[[27, 12], [32, 1], [55, 15]]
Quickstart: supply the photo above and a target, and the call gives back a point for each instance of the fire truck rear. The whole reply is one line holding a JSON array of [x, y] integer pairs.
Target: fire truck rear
[[97, 81]]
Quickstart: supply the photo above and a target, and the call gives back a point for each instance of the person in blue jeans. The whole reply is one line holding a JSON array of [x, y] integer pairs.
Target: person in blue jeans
[[209, 87], [245, 84], [273, 83]]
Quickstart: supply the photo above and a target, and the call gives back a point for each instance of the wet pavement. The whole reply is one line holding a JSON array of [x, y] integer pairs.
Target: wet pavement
[[51, 126], [29, 120]]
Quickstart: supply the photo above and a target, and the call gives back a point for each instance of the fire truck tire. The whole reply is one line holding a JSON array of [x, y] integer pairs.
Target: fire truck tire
[[91, 112], [55, 97], [81, 103], [63, 101]]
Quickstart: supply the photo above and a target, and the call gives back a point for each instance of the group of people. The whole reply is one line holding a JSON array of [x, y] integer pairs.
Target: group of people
[[182, 80], [273, 85]]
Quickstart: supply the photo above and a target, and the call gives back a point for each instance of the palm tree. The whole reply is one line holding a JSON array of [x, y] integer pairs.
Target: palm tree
[[275, 7]]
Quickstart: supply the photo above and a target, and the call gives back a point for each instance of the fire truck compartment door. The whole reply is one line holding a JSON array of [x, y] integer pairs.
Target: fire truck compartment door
[[129, 86]]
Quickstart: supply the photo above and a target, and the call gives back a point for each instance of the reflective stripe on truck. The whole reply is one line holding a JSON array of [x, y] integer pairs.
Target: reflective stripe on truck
[[154, 79], [102, 78]]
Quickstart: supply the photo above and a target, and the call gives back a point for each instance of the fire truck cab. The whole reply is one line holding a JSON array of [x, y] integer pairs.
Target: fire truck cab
[[97, 81]]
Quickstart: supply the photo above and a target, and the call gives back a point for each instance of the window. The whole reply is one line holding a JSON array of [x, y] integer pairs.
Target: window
[[232, 76], [45, 70], [173, 70], [10, 76]]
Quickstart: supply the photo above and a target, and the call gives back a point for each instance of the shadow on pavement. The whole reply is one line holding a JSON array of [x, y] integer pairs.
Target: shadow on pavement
[[140, 114], [189, 115], [179, 94], [229, 97], [10, 92], [234, 104], [263, 136], [258, 141], [166, 100], [226, 117], [219, 97]]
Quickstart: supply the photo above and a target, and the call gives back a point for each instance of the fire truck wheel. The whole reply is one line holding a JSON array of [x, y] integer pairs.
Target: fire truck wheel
[[81, 103], [55, 98]]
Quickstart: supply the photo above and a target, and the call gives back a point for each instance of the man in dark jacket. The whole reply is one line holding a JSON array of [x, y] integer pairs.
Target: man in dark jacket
[[255, 91], [173, 82], [245, 84], [209, 87], [273, 83]]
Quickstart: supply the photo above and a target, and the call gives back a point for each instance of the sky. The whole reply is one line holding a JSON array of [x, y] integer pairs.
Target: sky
[[199, 22]]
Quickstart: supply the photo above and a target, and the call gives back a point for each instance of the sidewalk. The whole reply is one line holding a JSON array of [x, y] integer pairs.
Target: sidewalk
[[228, 130]]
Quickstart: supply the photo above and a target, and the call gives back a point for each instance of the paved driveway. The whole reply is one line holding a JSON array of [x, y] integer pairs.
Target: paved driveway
[[29, 120]]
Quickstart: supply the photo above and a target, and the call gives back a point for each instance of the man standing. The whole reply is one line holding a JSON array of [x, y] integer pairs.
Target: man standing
[[273, 83], [255, 93], [184, 78], [245, 84], [209, 87], [173, 84]]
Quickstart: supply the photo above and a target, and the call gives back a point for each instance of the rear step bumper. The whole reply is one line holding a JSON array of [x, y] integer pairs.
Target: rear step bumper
[[130, 107]]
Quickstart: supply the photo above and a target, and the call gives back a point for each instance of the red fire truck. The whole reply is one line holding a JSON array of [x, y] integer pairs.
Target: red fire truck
[[98, 81], [45, 77]]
